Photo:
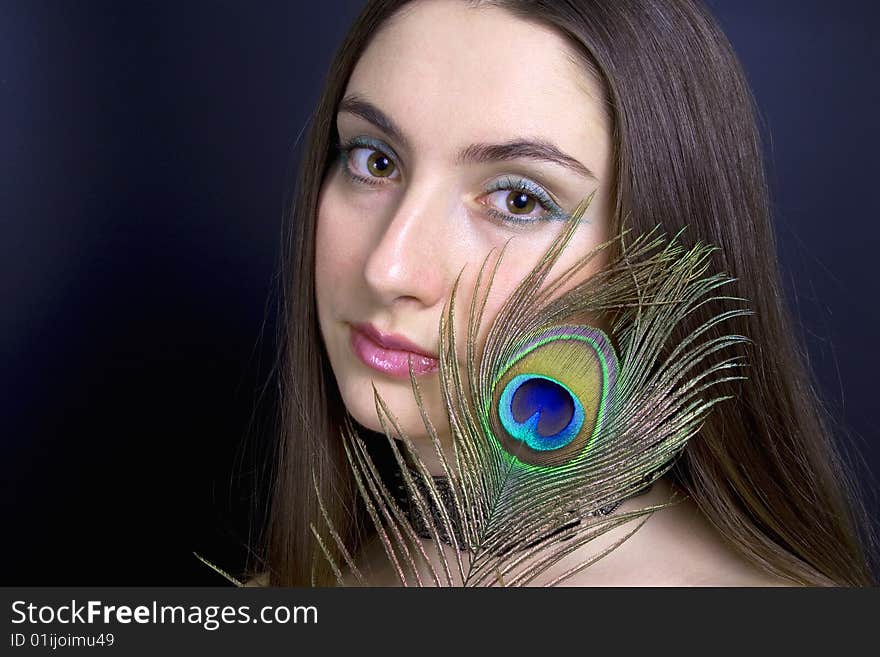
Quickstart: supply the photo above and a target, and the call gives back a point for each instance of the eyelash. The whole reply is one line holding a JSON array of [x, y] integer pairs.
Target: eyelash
[[506, 183]]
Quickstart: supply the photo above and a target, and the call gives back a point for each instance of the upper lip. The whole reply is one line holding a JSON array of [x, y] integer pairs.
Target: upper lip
[[392, 340]]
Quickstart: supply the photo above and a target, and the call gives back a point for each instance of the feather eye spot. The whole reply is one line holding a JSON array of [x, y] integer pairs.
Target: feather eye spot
[[540, 412], [550, 400], [551, 397]]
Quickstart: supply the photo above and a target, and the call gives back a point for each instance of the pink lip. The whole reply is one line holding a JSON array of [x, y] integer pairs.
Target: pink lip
[[389, 353]]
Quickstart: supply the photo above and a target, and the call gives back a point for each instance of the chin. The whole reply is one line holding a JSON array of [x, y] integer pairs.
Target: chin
[[358, 398]]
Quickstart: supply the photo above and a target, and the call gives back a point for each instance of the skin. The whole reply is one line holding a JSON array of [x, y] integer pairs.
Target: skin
[[389, 253], [674, 547]]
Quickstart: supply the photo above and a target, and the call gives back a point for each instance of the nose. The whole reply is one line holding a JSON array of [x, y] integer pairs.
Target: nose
[[413, 257]]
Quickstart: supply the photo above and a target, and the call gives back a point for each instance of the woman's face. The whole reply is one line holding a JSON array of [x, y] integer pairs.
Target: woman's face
[[461, 128]]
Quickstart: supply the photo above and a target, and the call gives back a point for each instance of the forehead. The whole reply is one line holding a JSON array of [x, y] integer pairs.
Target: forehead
[[450, 74]]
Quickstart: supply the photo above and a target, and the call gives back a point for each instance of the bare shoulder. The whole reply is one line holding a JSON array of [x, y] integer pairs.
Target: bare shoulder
[[705, 558], [676, 546], [260, 580], [753, 576], [722, 563]]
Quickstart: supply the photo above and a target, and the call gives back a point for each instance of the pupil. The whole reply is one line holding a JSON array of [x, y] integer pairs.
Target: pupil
[[520, 200], [381, 163]]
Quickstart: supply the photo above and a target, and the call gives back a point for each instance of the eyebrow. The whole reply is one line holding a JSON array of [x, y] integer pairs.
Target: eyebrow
[[530, 149]]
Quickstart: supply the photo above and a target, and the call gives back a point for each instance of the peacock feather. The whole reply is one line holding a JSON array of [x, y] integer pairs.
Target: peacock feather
[[552, 421]]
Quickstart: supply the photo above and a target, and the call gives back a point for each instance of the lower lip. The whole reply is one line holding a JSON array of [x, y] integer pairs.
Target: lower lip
[[393, 362]]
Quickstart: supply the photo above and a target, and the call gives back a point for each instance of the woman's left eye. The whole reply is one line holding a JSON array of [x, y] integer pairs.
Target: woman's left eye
[[521, 199]]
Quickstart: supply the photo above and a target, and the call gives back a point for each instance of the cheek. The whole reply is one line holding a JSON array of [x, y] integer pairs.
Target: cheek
[[338, 248], [521, 257]]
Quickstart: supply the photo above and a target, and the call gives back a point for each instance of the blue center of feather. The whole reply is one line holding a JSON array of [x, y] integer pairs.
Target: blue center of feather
[[540, 411], [549, 400]]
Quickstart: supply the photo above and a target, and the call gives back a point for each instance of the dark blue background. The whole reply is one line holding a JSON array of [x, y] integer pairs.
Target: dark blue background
[[146, 151]]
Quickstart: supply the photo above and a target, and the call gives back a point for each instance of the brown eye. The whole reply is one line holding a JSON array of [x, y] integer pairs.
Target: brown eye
[[368, 165], [380, 165], [519, 202]]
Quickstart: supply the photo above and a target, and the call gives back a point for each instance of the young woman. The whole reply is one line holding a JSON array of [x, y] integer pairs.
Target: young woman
[[448, 128]]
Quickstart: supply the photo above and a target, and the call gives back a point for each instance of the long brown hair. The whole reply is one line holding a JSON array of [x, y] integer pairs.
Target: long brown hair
[[686, 151]]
